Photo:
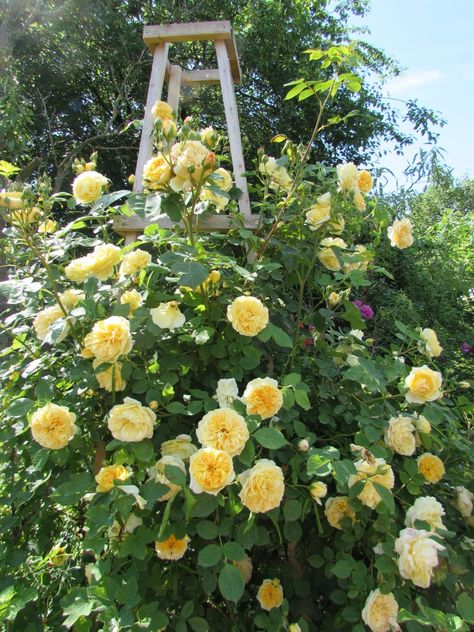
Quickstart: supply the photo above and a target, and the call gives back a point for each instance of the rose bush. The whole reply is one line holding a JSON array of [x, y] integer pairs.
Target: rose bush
[[238, 454]]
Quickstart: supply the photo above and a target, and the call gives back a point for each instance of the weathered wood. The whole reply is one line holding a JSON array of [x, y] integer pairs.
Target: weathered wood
[[192, 77], [155, 88], [187, 32], [174, 86], [233, 127], [135, 225]]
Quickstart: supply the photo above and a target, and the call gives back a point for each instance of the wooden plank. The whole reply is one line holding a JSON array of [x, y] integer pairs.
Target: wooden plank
[[192, 77], [186, 31], [174, 86], [234, 59], [135, 225], [233, 127], [155, 88]]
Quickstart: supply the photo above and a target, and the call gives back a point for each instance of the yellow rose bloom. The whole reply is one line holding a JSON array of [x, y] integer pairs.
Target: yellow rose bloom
[[320, 212], [88, 187], [334, 298], [45, 318], [364, 181], [294, 627], [348, 176], [11, 199], [105, 377], [359, 201], [400, 435], [211, 470], [431, 347], [270, 594], [380, 611], [463, 501], [400, 233], [326, 254], [107, 475], [245, 568], [376, 472], [162, 110], [49, 226], [318, 490], [70, 298], [172, 549], [132, 298], [219, 201], [108, 340], [263, 486], [431, 467], [336, 509], [156, 173], [134, 261], [168, 315], [131, 422], [182, 447], [423, 385], [53, 426], [337, 225], [263, 397], [209, 136], [247, 315], [223, 429], [426, 508], [58, 556], [157, 473], [191, 163], [423, 425], [25, 216], [418, 556], [77, 270], [99, 263]]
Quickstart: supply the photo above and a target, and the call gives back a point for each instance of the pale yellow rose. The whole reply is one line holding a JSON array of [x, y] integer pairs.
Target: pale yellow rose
[[426, 508], [423, 385], [172, 549], [359, 201], [364, 181], [107, 475], [430, 345], [157, 473], [418, 556], [163, 111], [268, 165], [281, 179], [168, 315], [191, 163], [336, 509], [423, 425], [245, 568], [70, 298], [360, 252], [400, 435], [105, 377], [463, 501], [169, 129], [320, 212], [223, 429], [131, 421], [121, 532], [334, 298], [58, 556], [45, 318], [326, 254], [88, 187], [227, 391], [223, 179], [132, 298], [380, 611], [11, 199], [182, 447], [77, 270], [99, 263], [156, 173], [247, 315], [370, 472], [25, 216], [348, 176], [431, 467], [400, 233], [263, 397], [219, 201], [49, 226], [134, 261], [210, 470], [263, 486], [294, 627], [209, 136], [53, 426], [318, 490], [108, 340], [337, 225], [270, 594]]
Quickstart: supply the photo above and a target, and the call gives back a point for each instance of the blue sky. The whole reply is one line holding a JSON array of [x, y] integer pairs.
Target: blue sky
[[434, 41]]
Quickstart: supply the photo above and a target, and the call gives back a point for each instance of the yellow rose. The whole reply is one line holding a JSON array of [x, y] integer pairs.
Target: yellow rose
[[131, 421], [364, 181], [108, 340], [209, 136], [132, 298], [247, 315], [320, 212], [77, 270], [431, 347], [49, 226], [426, 508], [380, 611], [294, 627], [223, 429], [88, 187], [168, 316], [361, 253], [172, 549], [348, 176], [223, 179], [134, 261], [372, 472], [182, 447], [431, 467], [423, 385], [70, 298], [263, 486], [58, 556], [359, 201], [211, 470], [423, 425], [400, 435], [25, 216], [107, 475], [105, 377], [334, 298], [336, 509], [337, 225], [162, 110], [99, 263], [11, 199], [270, 594], [463, 501], [190, 164], [281, 179], [400, 233], [219, 201], [418, 556], [157, 472], [318, 490], [156, 173], [245, 568], [326, 254], [263, 397], [45, 318], [52, 426]]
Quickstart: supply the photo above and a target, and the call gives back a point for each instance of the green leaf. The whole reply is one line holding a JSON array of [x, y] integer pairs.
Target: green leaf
[[342, 569], [465, 606], [175, 475], [230, 583], [386, 496], [172, 206], [281, 338], [71, 492], [143, 450], [292, 510], [270, 438], [210, 555], [321, 461], [198, 624], [234, 551], [193, 273], [302, 399], [292, 379], [20, 407], [343, 469], [207, 530], [76, 604]]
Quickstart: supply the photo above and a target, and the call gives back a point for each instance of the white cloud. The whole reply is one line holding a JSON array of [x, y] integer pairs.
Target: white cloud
[[412, 79]]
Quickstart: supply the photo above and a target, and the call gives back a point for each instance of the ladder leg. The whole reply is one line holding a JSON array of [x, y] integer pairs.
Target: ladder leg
[[155, 88], [174, 86]]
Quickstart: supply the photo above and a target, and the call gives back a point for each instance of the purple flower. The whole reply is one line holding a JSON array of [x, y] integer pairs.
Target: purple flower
[[365, 310], [358, 303], [466, 347]]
